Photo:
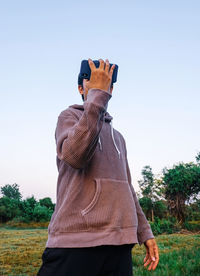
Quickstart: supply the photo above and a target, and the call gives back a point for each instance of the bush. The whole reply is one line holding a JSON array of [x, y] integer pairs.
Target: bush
[[27, 207], [155, 228], [196, 216], [47, 202], [9, 208], [25, 218], [160, 209], [167, 226], [20, 219], [41, 213], [192, 225]]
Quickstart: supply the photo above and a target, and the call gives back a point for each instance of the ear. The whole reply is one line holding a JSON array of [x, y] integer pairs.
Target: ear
[[80, 88]]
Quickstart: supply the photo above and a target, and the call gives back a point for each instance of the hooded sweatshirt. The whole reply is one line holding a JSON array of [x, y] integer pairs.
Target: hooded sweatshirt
[[96, 203]]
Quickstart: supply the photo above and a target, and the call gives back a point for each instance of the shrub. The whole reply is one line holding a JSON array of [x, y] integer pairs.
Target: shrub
[[41, 213], [192, 225], [9, 208], [47, 202], [167, 226]]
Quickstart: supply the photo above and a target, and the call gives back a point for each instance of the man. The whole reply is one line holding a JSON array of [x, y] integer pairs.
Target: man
[[97, 218]]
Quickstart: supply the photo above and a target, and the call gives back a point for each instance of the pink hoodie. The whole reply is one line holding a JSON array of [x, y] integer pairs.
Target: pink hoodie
[[96, 203]]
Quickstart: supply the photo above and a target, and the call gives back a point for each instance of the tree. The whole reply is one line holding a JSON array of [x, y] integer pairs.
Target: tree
[[27, 208], [13, 207], [160, 209], [8, 208], [147, 206], [198, 158], [181, 182], [11, 191], [146, 185], [47, 202], [151, 190]]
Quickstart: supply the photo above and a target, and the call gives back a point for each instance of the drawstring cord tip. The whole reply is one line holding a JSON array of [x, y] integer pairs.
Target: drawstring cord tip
[[100, 145]]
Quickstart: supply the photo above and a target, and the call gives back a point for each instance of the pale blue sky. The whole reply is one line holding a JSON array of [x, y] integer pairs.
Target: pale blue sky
[[155, 102]]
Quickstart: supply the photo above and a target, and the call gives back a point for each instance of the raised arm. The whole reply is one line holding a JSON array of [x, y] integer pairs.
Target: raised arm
[[76, 138]]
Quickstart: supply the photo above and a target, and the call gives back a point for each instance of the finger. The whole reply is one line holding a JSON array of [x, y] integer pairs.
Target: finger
[[107, 66], [146, 257], [101, 66], [156, 254], [148, 261], [91, 64], [151, 265], [157, 258], [156, 251], [111, 70], [152, 253], [154, 265]]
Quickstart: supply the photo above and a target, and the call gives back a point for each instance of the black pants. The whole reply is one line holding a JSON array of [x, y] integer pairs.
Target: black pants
[[103, 260]]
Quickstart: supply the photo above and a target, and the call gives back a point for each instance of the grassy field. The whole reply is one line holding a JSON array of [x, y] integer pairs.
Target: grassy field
[[21, 251]]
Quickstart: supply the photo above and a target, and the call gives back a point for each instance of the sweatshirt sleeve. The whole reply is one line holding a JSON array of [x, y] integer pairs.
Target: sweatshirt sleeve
[[76, 138], [144, 231]]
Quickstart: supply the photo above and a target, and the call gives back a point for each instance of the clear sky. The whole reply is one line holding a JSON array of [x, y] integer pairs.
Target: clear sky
[[155, 103]]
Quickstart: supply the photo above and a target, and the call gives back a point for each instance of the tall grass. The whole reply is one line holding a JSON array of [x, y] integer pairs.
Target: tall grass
[[21, 252], [178, 255]]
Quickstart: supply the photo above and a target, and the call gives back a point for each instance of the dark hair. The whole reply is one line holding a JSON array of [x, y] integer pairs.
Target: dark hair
[[82, 97]]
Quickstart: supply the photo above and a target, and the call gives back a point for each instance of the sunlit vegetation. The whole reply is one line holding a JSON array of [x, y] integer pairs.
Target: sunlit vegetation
[[21, 252]]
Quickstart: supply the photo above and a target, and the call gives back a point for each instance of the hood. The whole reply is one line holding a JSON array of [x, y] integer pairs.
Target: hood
[[108, 119], [107, 116]]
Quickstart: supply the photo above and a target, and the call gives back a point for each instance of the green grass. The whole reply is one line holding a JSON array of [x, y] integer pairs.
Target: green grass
[[172, 263], [21, 252]]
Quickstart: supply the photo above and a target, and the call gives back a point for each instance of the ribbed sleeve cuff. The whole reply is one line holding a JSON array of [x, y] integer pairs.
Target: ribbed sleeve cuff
[[98, 97], [145, 235]]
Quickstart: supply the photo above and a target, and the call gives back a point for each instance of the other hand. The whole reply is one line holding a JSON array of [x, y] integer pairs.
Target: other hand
[[152, 255]]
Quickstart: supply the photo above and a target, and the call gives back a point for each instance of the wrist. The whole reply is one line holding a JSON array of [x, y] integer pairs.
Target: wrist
[[98, 97]]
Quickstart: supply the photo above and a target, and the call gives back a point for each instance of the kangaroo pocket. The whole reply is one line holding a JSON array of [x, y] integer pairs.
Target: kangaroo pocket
[[112, 205]]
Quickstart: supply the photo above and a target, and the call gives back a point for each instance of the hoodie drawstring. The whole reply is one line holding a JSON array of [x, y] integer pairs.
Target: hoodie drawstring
[[113, 138], [112, 134], [100, 145]]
